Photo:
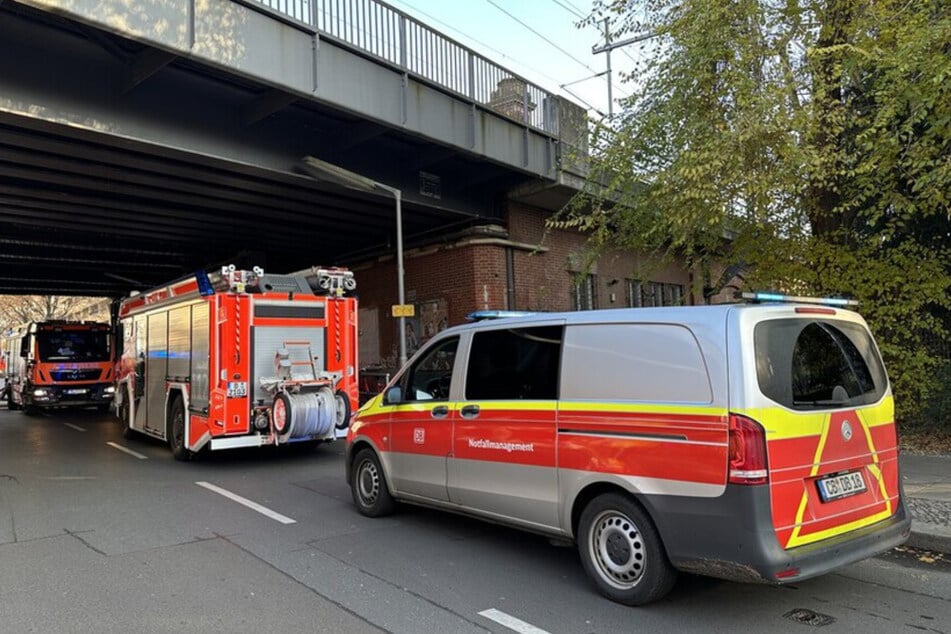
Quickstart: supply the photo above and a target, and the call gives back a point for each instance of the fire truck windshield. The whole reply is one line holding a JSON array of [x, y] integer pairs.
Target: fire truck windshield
[[76, 346]]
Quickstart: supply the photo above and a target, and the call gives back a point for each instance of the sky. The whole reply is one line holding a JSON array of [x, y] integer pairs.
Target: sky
[[537, 39]]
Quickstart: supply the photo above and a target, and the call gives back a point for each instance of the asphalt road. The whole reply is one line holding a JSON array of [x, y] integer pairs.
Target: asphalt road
[[95, 539]]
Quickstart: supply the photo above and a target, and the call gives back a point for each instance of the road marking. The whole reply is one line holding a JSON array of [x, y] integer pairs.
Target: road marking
[[76, 427], [254, 506], [70, 478], [511, 622], [127, 450]]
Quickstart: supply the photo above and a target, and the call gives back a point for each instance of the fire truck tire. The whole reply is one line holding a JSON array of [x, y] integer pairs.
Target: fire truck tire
[[176, 430], [368, 486], [122, 413], [11, 405], [341, 410], [622, 552]]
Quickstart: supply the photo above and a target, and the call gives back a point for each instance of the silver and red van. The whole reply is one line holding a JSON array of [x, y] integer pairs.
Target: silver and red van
[[752, 442]]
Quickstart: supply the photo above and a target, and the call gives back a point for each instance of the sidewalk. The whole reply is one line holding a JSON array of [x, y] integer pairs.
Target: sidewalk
[[927, 481]]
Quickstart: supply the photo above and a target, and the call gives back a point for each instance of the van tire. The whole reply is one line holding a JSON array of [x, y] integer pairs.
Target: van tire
[[176, 430], [622, 552], [11, 404], [368, 486]]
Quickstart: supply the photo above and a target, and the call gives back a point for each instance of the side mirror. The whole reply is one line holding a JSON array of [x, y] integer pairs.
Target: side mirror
[[394, 395]]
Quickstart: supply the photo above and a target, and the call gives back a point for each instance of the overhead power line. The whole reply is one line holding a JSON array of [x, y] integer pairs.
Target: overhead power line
[[570, 9], [554, 45]]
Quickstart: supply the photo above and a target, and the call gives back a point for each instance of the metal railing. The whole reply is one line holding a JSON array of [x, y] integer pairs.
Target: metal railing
[[391, 35]]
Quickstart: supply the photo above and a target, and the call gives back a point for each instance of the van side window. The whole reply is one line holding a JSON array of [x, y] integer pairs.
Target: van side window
[[817, 364], [514, 363], [634, 362], [430, 376]]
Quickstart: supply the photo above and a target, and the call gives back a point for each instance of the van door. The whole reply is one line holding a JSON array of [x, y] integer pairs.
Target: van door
[[832, 454], [420, 424], [503, 457]]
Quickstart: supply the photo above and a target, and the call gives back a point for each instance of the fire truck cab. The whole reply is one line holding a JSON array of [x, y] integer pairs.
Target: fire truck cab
[[239, 359], [58, 363]]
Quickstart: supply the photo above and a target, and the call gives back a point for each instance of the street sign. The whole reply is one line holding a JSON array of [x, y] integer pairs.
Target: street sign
[[404, 310]]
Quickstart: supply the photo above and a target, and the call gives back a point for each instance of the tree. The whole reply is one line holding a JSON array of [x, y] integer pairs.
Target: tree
[[16, 310], [814, 134]]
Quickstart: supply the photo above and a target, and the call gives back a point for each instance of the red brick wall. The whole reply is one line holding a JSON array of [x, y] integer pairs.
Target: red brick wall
[[471, 275], [466, 278], [543, 280]]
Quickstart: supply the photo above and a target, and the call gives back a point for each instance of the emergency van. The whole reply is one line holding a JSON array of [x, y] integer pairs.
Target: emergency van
[[751, 442], [239, 359], [59, 363]]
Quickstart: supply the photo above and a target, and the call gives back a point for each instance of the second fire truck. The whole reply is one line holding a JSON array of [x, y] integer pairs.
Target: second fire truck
[[58, 363], [240, 359]]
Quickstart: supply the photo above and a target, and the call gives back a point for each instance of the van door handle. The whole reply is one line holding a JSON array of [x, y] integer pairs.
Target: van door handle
[[469, 411], [440, 411]]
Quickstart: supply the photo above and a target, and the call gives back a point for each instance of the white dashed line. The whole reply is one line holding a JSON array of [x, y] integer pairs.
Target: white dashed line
[[76, 427], [128, 451], [254, 506], [511, 622]]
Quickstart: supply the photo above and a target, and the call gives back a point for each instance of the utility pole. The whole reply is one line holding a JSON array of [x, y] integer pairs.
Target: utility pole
[[610, 46]]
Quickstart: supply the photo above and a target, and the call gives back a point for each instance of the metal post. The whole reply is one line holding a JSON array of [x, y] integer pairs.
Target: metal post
[[399, 271], [607, 50], [328, 172]]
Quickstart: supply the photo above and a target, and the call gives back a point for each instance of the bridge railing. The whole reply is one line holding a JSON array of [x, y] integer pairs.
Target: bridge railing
[[391, 35]]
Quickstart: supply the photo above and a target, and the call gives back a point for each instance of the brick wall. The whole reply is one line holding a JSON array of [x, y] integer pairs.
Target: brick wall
[[466, 278], [543, 281], [471, 275]]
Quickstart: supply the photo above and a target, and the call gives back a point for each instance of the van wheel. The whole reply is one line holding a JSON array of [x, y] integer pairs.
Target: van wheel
[[622, 552], [368, 485], [11, 404], [176, 430]]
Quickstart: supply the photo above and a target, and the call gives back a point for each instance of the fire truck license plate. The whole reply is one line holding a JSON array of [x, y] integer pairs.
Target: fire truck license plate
[[237, 389], [841, 486], [76, 391]]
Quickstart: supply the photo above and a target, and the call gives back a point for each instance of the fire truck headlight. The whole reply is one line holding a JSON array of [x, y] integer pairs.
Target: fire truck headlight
[[109, 389], [39, 392]]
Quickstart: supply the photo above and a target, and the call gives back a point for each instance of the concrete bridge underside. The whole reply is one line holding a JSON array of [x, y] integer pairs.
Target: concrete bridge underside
[[131, 154]]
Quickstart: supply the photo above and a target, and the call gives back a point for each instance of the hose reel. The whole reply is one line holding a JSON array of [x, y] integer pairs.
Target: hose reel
[[309, 414]]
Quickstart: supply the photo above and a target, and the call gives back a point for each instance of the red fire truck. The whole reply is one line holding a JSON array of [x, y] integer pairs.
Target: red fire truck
[[240, 359], [59, 363]]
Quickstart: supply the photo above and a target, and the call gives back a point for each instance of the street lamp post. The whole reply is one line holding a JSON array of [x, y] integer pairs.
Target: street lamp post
[[328, 172]]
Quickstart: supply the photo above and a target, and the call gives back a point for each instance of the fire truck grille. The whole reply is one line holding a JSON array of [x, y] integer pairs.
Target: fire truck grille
[[76, 375]]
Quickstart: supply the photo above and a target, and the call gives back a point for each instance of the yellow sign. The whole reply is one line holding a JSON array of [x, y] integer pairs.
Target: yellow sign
[[404, 310]]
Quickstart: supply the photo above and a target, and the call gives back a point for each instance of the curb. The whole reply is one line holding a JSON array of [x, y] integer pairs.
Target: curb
[[933, 537]]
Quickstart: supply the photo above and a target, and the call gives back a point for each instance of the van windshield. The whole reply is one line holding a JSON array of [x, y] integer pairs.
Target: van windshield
[[816, 364]]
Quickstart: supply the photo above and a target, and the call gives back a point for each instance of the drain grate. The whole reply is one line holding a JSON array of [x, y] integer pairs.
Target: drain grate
[[809, 617]]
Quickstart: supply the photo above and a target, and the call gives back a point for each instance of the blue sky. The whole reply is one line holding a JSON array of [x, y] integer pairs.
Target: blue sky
[[556, 53]]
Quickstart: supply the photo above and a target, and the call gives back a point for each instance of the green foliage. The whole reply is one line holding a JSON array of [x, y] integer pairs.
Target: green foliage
[[809, 140]]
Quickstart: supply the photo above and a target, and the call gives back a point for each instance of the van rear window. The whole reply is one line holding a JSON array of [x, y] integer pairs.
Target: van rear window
[[816, 364]]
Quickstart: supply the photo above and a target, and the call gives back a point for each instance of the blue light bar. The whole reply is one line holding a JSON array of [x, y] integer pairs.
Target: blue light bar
[[794, 299], [481, 315], [204, 284]]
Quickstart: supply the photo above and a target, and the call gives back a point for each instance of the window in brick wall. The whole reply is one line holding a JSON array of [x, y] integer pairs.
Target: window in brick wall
[[643, 294], [583, 296]]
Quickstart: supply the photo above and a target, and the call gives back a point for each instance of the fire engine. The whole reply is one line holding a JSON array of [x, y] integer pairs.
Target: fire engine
[[239, 358], [59, 363]]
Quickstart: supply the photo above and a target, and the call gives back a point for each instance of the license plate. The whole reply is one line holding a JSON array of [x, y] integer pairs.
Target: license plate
[[237, 389], [75, 391], [841, 486]]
